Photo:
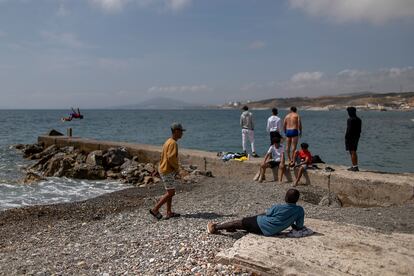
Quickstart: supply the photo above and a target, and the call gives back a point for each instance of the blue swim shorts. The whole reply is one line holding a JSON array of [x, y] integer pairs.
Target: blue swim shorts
[[292, 133]]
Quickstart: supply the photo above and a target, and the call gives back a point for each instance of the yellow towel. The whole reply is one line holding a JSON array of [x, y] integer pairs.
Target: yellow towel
[[241, 159]]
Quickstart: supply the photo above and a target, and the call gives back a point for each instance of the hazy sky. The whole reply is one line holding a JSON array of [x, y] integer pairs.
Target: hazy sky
[[98, 53]]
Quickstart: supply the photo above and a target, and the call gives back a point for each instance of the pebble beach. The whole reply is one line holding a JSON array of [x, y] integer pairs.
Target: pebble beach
[[114, 234]]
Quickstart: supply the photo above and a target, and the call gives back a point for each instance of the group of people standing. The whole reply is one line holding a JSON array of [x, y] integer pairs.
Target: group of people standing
[[291, 126]]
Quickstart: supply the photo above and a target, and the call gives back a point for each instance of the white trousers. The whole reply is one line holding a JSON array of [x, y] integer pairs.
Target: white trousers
[[248, 134]]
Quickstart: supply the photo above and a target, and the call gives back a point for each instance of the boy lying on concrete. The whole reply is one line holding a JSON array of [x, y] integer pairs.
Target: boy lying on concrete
[[275, 220]]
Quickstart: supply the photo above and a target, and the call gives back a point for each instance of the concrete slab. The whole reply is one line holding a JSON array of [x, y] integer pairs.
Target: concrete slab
[[336, 249]]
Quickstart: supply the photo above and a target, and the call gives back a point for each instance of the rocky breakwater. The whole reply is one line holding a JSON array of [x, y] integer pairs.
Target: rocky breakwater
[[112, 164]]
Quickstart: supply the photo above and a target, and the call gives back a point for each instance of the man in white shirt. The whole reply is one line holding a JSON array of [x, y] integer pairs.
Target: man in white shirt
[[274, 125], [247, 125]]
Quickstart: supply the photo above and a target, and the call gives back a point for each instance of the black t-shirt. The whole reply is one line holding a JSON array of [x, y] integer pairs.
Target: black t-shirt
[[353, 130]]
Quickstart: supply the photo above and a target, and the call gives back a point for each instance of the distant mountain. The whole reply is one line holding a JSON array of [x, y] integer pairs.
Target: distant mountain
[[159, 103], [363, 100], [362, 93]]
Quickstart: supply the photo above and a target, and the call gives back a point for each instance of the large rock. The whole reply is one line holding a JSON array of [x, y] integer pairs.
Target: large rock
[[54, 132], [69, 150], [86, 171], [81, 158], [95, 158], [115, 157], [47, 152], [335, 249], [133, 172], [330, 200], [149, 167], [32, 177], [112, 174], [19, 146], [128, 164], [53, 164], [66, 165], [29, 150], [39, 165]]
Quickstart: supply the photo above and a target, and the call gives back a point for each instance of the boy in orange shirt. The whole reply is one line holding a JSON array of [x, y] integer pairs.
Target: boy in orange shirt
[[168, 169], [304, 160]]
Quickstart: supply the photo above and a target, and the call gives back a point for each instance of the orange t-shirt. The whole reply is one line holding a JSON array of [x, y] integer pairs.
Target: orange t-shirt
[[169, 157], [303, 154]]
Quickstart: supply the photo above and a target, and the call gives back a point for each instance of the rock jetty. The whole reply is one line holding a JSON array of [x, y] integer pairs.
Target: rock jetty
[[114, 164]]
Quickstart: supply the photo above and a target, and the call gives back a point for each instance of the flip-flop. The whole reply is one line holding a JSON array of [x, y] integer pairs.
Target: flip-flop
[[172, 215], [158, 215]]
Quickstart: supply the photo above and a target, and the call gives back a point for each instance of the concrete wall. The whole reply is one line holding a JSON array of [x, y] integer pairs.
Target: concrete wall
[[361, 189]]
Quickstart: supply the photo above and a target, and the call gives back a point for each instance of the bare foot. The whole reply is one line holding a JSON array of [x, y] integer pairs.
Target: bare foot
[[211, 228]]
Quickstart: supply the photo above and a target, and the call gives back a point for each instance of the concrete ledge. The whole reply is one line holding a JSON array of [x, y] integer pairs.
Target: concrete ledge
[[336, 249], [359, 189]]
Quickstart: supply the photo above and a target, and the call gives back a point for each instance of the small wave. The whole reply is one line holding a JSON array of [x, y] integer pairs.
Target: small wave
[[412, 120], [54, 190]]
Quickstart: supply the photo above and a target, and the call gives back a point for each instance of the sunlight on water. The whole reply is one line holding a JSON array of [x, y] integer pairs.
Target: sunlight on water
[[54, 190]]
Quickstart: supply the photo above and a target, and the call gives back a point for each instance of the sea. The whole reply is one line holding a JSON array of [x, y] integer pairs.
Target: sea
[[386, 144]]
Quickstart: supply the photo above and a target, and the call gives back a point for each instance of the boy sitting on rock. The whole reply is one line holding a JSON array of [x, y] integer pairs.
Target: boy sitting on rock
[[275, 157], [304, 160], [275, 220]]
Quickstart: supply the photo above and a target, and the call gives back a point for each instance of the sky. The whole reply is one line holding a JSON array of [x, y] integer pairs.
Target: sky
[[105, 53]]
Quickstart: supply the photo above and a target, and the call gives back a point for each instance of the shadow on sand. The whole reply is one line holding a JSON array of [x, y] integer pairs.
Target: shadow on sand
[[207, 215]]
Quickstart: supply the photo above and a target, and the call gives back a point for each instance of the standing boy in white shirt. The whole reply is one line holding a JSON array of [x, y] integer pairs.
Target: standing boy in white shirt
[[274, 125]]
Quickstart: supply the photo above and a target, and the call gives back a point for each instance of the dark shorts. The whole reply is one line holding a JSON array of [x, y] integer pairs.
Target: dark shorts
[[273, 164], [351, 144], [274, 134], [251, 226]]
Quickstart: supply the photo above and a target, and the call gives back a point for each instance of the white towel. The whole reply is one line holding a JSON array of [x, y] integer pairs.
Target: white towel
[[304, 232]]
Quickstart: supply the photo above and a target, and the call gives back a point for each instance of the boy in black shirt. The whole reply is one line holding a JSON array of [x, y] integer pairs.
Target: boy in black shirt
[[353, 132]]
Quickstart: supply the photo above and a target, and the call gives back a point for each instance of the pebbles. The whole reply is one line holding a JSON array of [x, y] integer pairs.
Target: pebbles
[[66, 239]]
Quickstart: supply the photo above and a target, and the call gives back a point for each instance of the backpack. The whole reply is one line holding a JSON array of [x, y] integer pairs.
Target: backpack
[[316, 159]]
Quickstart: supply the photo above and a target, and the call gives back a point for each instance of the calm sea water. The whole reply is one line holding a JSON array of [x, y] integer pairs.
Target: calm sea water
[[387, 142]]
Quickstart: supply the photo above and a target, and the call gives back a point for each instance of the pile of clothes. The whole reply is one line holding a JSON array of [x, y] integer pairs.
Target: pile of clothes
[[238, 156]]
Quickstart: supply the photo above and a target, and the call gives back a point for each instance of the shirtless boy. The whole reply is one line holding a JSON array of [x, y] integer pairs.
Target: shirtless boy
[[293, 129]]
